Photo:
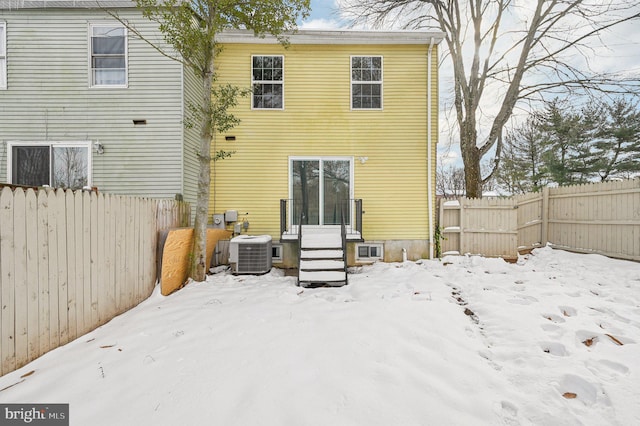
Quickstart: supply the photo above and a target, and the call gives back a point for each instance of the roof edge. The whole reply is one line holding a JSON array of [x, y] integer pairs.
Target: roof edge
[[65, 4], [233, 36]]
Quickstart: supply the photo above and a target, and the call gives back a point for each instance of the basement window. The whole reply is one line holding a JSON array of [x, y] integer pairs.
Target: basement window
[[369, 252]]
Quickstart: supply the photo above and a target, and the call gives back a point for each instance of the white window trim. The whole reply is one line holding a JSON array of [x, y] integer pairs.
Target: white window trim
[[369, 258], [4, 81], [381, 82], [321, 185], [126, 55], [57, 144], [267, 82]]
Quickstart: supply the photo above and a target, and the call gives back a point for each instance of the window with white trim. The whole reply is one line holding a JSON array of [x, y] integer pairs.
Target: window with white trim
[[56, 164], [369, 252], [108, 55], [267, 81], [366, 82], [3, 55]]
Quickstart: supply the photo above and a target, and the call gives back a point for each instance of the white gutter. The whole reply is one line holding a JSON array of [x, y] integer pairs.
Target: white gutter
[[429, 149]]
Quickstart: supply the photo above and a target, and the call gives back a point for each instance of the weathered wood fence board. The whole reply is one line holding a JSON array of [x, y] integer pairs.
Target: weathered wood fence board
[[599, 218], [487, 225], [71, 261], [602, 218]]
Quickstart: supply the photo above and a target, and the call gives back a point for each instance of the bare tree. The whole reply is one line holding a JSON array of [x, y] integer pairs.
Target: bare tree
[[504, 41], [449, 180], [69, 167]]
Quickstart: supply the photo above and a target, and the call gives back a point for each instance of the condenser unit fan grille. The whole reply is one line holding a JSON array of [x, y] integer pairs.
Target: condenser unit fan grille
[[253, 258]]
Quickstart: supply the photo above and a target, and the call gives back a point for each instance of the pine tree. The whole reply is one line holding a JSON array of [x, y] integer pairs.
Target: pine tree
[[521, 168], [618, 145], [566, 151]]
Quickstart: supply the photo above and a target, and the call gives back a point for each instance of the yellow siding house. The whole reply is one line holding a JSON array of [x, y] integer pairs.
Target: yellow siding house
[[339, 124]]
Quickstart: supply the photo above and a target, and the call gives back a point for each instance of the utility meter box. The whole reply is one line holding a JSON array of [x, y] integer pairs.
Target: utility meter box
[[218, 221]]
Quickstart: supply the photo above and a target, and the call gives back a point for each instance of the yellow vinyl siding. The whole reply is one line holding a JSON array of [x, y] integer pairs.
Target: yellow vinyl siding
[[317, 121]]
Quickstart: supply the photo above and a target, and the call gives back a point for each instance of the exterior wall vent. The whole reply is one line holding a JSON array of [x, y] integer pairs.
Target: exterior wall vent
[[276, 253]]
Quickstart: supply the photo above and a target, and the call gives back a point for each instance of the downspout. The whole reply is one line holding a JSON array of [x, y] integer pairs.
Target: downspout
[[429, 151]]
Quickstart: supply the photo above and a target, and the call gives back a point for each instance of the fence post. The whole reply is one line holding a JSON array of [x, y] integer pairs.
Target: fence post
[[544, 232], [461, 203]]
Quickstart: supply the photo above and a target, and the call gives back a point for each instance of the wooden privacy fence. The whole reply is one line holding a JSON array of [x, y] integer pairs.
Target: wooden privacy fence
[[601, 218], [70, 262], [485, 226]]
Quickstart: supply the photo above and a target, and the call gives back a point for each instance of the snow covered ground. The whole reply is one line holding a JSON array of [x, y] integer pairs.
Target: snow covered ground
[[552, 340]]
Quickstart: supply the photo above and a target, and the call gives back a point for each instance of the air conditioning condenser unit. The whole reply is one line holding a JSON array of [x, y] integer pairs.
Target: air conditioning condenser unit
[[250, 254]]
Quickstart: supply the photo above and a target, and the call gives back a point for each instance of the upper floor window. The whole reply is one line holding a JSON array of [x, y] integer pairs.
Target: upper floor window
[[366, 82], [267, 78], [108, 55], [3, 55], [56, 164]]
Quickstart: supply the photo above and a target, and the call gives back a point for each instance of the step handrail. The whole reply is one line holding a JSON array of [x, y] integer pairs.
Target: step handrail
[[343, 234], [300, 244]]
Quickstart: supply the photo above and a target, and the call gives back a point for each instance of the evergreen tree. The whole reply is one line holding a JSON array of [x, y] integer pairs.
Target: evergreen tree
[[521, 168], [566, 150], [617, 148]]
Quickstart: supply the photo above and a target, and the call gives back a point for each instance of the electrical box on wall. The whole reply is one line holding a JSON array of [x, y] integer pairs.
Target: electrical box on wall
[[237, 228], [218, 221], [231, 216]]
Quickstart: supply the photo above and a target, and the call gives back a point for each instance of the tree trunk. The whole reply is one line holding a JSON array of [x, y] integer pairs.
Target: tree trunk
[[472, 176], [471, 160], [199, 249]]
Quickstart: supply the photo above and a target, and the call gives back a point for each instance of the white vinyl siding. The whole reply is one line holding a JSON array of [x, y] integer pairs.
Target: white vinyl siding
[[108, 55], [192, 97], [366, 82], [3, 55], [267, 82]]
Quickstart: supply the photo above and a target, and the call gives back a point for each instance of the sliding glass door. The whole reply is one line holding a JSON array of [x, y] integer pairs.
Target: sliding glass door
[[320, 190]]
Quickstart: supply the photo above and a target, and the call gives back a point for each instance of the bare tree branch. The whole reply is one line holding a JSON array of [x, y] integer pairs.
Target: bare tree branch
[[524, 49]]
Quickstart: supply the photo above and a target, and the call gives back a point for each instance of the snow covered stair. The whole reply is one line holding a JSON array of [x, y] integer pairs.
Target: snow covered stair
[[322, 259]]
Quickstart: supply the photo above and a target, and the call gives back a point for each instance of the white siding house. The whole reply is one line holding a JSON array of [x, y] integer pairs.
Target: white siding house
[[84, 102]]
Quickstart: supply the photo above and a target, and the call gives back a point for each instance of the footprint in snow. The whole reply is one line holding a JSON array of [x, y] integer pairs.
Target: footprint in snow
[[554, 348], [577, 388], [568, 311], [608, 370], [554, 318], [508, 412]]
